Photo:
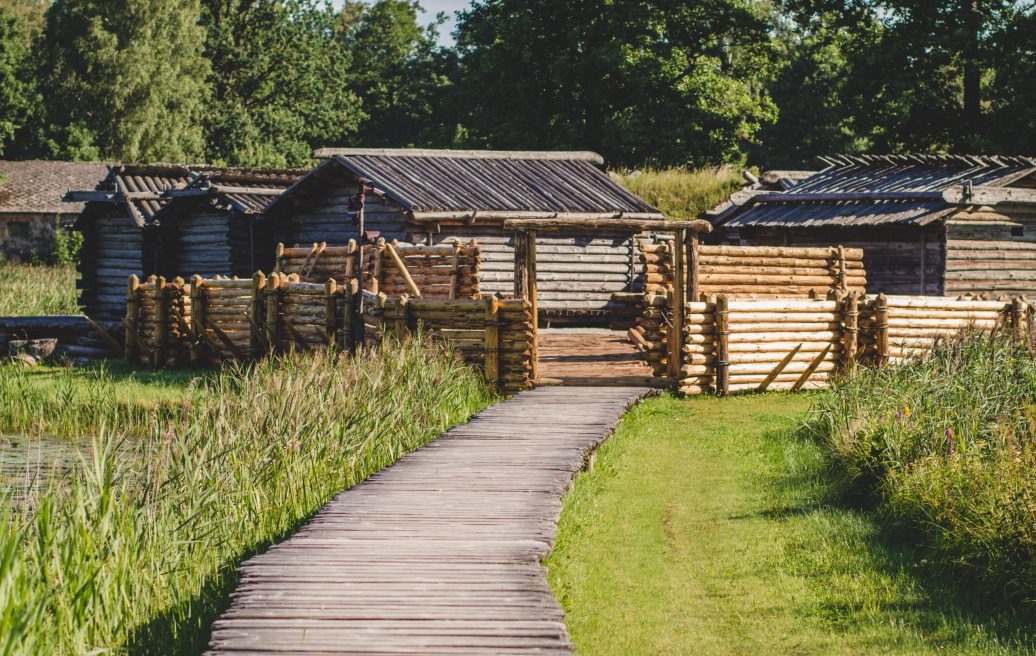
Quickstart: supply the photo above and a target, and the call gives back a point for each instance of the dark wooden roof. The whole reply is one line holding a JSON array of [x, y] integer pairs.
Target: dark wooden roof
[[864, 190], [248, 191], [38, 186], [487, 181]]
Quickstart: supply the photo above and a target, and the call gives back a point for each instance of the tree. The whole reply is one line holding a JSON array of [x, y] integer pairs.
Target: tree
[[279, 79], [658, 81], [123, 80], [20, 22], [401, 74]]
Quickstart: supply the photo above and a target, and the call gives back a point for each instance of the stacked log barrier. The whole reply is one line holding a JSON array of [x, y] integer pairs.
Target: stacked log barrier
[[899, 328], [495, 335], [444, 271], [302, 315], [226, 319], [157, 322]]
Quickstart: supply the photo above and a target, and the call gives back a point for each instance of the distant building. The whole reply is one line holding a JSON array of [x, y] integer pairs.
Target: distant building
[[928, 224], [31, 205]]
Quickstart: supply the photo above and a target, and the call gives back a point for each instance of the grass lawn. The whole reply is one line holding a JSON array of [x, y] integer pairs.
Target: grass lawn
[[27, 290], [705, 527]]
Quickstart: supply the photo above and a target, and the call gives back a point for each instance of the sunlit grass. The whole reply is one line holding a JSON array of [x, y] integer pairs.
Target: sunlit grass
[[682, 193], [27, 290]]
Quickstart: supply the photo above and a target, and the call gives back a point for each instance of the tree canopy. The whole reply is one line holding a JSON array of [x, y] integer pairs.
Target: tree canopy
[[644, 82]]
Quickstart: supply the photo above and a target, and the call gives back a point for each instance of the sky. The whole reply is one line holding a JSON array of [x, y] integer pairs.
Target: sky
[[433, 7]]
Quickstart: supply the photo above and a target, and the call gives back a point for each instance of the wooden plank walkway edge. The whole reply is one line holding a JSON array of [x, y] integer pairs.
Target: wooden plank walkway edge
[[438, 554]]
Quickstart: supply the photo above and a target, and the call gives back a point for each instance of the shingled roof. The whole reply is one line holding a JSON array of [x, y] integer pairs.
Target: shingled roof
[[873, 190], [513, 182], [38, 186], [248, 191]]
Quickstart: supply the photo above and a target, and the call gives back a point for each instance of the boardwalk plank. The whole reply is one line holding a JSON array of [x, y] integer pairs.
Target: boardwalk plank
[[439, 554]]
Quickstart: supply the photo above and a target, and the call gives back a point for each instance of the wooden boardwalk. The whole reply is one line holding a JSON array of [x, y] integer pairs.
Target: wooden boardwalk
[[438, 554]]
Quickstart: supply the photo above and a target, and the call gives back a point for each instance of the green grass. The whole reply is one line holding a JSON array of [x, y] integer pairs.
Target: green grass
[[27, 290], [705, 527], [682, 193], [136, 551], [62, 401]]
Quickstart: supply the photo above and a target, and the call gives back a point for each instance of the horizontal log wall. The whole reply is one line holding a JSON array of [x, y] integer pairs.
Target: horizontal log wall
[[225, 318], [444, 271], [991, 252], [157, 322], [113, 249], [493, 334]]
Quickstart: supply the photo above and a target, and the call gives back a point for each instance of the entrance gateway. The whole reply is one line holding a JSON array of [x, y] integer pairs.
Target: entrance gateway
[[597, 356]]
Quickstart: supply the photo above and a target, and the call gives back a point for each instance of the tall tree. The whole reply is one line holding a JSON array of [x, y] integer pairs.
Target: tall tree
[[401, 74], [280, 81], [124, 80], [20, 23], [661, 81]]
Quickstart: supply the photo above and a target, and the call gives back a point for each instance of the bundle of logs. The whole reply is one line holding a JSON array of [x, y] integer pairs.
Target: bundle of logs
[[443, 271], [726, 345], [212, 320], [493, 334]]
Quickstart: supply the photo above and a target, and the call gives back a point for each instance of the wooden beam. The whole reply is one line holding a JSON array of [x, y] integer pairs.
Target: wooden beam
[[834, 196], [477, 215], [989, 196], [594, 223], [676, 336], [407, 278], [778, 369], [554, 155]]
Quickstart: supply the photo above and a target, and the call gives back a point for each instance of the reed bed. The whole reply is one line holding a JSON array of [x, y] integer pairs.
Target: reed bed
[[138, 554], [29, 290], [947, 446]]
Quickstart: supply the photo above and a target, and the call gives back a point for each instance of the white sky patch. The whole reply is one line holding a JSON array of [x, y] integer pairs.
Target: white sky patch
[[433, 7]]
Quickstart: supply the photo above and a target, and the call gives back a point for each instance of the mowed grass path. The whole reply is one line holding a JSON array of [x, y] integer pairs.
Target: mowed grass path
[[705, 528]]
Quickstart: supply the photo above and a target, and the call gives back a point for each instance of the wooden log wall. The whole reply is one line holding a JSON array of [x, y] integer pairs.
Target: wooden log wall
[[225, 319], [325, 216], [991, 252], [730, 345], [493, 334], [113, 249], [444, 271], [157, 322], [577, 273]]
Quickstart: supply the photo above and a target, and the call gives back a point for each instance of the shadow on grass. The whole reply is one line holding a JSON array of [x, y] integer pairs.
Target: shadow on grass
[[937, 600]]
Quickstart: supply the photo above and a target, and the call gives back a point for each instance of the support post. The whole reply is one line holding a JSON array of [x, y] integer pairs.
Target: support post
[[454, 269], [722, 321], [161, 323], [272, 303], [398, 261], [199, 309], [492, 361], [132, 317], [349, 316], [330, 311], [678, 303], [1017, 312], [521, 269], [693, 266], [530, 252], [850, 329], [881, 329], [843, 278], [255, 324]]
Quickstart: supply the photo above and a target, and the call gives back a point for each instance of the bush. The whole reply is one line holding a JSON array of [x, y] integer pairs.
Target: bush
[[947, 444], [137, 551]]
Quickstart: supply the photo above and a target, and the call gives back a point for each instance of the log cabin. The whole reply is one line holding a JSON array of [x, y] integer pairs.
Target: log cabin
[[438, 196], [937, 225], [216, 226], [119, 236]]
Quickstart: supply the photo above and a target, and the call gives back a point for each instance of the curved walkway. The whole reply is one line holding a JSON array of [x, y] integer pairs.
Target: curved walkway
[[438, 554]]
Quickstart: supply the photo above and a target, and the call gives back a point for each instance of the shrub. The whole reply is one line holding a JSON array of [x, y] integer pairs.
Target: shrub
[[137, 551], [948, 445]]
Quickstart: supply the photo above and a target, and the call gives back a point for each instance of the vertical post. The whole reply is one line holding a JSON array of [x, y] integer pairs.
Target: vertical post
[[1017, 329], [360, 328], [924, 261], [530, 253], [521, 271], [330, 314], [199, 309], [843, 278], [881, 329], [379, 251], [272, 302], [850, 329], [279, 260], [722, 321], [255, 337], [678, 300], [132, 317], [454, 273], [492, 362], [349, 315], [401, 309], [161, 323], [693, 266]]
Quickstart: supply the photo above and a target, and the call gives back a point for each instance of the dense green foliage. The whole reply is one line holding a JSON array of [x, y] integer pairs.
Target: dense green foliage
[[947, 445], [645, 82], [706, 527], [137, 551]]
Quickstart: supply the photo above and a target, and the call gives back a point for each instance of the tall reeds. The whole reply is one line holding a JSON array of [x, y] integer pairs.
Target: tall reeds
[[137, 552], [28, 290], [947, 446]]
